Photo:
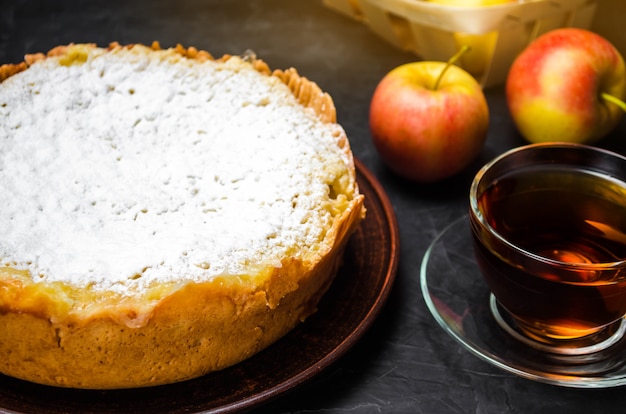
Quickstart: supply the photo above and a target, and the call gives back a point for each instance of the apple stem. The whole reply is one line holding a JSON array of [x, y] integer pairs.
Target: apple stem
[[464, 49], [614, 100]]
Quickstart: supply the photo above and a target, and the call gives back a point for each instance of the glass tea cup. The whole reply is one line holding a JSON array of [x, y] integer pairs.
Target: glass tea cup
[[549, 230]]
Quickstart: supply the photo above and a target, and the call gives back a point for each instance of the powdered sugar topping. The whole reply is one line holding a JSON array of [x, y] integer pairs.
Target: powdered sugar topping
[[128, 170]]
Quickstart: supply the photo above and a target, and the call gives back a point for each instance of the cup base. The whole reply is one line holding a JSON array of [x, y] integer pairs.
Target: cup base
[[577, 347], [457, 296]]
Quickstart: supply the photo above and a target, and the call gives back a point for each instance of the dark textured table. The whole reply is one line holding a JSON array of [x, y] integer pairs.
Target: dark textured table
[[405, 362]]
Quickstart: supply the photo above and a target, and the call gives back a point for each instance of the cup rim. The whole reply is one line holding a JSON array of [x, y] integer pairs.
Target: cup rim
[[475, 211]]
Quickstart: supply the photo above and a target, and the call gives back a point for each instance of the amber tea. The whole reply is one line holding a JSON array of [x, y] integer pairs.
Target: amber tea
[[554, 249], [570, 216]]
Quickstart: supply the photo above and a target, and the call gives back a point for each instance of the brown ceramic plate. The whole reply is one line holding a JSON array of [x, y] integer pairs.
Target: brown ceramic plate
[[345, 313]]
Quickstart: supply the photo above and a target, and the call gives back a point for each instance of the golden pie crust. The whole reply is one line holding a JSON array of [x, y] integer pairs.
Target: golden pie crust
[[56, 334]]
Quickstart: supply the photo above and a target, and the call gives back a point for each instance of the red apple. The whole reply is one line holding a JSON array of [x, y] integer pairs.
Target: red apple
[[560, 87], [426, 127]]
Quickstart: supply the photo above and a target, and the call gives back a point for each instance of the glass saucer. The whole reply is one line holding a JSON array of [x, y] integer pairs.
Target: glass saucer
[[459, 300]]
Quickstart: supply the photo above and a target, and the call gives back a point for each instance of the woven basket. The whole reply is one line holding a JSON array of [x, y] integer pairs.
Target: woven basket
[[496, 34]]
